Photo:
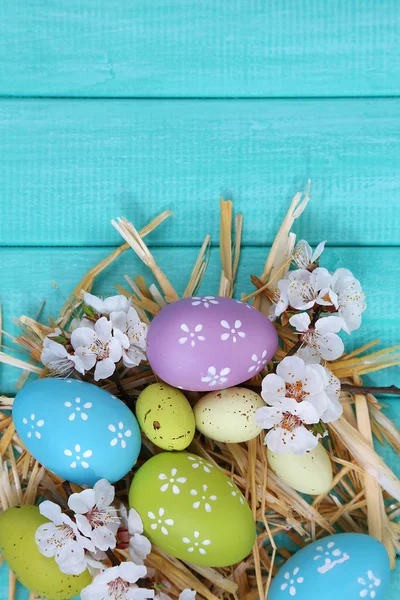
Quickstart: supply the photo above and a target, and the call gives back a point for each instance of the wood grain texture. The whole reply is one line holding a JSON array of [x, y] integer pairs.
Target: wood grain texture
[[69, 166], [224, 48], [27, 275]]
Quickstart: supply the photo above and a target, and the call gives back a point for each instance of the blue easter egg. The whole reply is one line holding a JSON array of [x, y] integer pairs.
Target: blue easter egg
[[77, 430], [349, 566]]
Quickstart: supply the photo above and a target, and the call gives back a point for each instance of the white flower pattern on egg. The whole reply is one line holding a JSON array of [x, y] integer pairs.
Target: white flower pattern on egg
[[79, 456], [205, 301], [77, 409], [196, 544], [172, 480], [259, 363], [232, 330], [213, 378], [199, 462], [203, 498], [291, 581], [235, 492], [119, 434], [191, 336], [158, 520], [33, 426], [369, 584], [332, 556]]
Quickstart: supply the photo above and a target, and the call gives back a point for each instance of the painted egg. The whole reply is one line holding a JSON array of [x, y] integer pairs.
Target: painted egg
[[209, 343], [165, 416], [310, 473], [36, 572], [192, 510], [228, 415], [345, 566], [77, 430]]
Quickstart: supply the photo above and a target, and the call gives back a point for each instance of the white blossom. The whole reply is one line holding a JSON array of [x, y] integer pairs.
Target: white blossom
[[118, 583], [322, 337], [304, 257], [98, 347], [350, 299], [309, 288], [135, 331], [299, 381], [281, 299], [108, 305], [286, 422], [139, 545], [57, 359], [95, 516], [61, 539]]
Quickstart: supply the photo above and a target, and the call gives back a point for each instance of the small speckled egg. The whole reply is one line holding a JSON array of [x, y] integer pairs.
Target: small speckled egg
[[228, 415], [310, 473], [165, 416], [77, 430], [36, 572], [348, 566], [191, 510], [209, 343]]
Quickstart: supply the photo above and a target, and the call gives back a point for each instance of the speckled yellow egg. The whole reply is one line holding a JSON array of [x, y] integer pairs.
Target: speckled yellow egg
[[165, 416], [310, 473], [39, 574], [228, 415]]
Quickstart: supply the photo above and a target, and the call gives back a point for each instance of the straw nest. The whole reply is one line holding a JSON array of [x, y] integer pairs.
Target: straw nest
[[365, 495]]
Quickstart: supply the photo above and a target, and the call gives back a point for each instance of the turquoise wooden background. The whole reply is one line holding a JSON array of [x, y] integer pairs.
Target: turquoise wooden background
[[112, 108]]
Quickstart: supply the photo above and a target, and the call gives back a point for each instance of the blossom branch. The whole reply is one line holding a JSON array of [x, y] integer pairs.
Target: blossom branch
[[123, 393], [366, 389], [113, 559]]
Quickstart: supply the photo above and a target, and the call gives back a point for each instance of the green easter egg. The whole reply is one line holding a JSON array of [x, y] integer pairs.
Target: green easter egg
[[191, 510], [165, 416], [39, 574]]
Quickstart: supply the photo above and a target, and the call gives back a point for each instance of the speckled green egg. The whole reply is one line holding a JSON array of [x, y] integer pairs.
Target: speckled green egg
[[39, 574], [165, 416], [228, 415], [192, 510]]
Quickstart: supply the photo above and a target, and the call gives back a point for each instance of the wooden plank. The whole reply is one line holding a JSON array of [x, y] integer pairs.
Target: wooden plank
[[249, 48], [69, 166], [27, 275]]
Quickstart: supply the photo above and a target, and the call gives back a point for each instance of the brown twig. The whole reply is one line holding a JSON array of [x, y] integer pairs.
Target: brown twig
[[367, 389], [123, 393], [113, 559]]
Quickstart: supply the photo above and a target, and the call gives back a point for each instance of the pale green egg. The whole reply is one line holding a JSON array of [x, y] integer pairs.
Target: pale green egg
[[310, 473], [228, 415], [39, 574], [165, 416], [192, 510]]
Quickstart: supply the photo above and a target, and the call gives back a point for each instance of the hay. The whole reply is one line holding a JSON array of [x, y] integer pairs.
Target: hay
[[361, 478]]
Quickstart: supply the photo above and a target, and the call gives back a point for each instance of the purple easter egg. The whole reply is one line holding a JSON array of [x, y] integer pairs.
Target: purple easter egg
[[209, 343]]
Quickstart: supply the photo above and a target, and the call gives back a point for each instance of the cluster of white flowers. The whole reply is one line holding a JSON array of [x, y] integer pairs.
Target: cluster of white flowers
[[110, 331], [304, 393], [337, 294], [79, 542]]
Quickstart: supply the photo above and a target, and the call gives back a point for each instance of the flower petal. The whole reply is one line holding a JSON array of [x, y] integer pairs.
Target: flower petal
[[291, 369], [51, 511], [104, 493], [103, 329], [83, 502], [83, 336], [103, 538], [273, 388], [83, 525], [140, 546], [135, 523], [131, 572], [300, 322], [104, 368]]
